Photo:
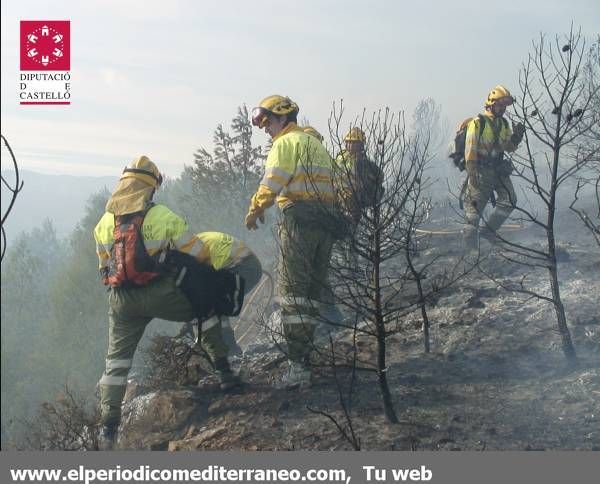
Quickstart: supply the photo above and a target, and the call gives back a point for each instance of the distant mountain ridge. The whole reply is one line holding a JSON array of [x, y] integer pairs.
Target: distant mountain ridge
[[60, 198]]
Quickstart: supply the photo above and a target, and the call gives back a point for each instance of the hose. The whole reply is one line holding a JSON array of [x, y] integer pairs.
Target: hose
[[255, 292], [504, 228]]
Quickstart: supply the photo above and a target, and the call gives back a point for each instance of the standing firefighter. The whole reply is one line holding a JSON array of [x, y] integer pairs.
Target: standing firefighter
[[156, 268], [298, 176], [359, 180], [488, 137], [228, 253]]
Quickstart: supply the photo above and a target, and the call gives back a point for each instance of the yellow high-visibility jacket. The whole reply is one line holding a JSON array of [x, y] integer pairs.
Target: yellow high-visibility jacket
[[345, 173], [298, 168], [224, 250], [161, 229], [485, 146], [345, 160]]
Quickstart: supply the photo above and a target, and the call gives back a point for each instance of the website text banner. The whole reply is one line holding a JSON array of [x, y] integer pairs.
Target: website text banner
[[302, 467]]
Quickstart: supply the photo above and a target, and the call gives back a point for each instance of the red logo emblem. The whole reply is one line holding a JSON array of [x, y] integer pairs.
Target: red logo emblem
[[45, 45]]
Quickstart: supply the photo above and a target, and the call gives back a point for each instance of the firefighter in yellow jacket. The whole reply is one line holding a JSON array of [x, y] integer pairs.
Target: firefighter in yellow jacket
[[132, 307], [488, 171], [359, 181], [297, 177]]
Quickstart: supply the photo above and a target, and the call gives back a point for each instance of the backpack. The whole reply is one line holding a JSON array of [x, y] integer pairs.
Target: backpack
[[130, 265], [209, 291], [458, 147]]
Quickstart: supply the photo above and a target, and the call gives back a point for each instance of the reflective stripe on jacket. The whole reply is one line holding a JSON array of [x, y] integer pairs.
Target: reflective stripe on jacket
[[223, 249], [161, 229], [298, 168], [485, 146]]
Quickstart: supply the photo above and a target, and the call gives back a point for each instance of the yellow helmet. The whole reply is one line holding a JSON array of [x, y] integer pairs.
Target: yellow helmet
[[274, 104], [499, 93], [143, 169], [313, 132], [355, 134]]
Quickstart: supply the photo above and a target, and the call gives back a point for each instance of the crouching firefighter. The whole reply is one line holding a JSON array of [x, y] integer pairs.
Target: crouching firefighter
[[155, 268]]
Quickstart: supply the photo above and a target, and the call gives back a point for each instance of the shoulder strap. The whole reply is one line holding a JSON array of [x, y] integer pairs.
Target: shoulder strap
[[148, 207]]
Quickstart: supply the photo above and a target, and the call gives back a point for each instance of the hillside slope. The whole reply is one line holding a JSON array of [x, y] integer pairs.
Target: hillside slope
[[496, 379]]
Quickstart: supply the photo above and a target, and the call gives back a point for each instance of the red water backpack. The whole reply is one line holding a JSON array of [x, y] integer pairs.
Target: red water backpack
[[130, 264]]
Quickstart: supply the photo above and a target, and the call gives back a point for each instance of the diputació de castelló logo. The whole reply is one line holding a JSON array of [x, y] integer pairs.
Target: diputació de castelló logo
[[45, 45], [45, 48]]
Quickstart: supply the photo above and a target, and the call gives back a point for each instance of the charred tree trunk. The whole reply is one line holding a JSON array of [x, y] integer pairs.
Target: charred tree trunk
[[388, 405], [417, 275], [561, 319], [425, 327]]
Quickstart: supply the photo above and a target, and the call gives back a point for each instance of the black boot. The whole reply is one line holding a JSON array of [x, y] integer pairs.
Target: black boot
[[107, 437], [229, 340], [228, 379]]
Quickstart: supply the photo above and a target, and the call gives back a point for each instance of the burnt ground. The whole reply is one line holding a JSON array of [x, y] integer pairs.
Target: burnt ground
[[496, 379]]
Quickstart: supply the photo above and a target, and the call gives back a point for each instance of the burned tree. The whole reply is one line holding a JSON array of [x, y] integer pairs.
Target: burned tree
[[429, 126], [14, 188], [375, 278], [65, 424], [554, 105]]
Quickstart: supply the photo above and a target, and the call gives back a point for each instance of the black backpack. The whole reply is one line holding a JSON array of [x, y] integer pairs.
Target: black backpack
[[208, 290]]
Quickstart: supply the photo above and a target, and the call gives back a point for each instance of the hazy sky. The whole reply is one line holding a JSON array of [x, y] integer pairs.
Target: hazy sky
[[156, 77]]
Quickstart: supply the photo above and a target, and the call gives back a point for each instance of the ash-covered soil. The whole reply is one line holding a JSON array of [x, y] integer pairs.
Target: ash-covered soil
[[495, 379]]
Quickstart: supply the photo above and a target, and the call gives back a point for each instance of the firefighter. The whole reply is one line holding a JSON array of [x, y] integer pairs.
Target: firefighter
[[359, 181], [487, 169], [297, 177], [144, 286], [227, 252]]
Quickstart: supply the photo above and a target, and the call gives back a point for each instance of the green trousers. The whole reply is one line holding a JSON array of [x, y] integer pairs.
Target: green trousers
[[482, 183], [130, 311], [305, 250]]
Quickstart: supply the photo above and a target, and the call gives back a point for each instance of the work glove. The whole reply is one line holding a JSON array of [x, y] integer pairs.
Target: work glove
[[251, 219], [518, 132]]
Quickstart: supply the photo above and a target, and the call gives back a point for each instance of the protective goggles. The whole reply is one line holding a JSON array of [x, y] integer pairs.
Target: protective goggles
[[259, 117], [505, 101]]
